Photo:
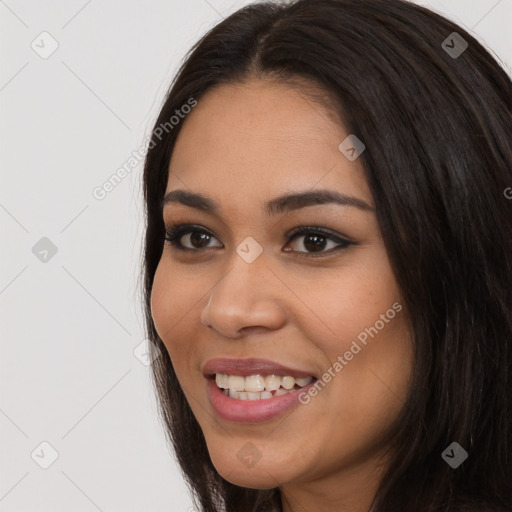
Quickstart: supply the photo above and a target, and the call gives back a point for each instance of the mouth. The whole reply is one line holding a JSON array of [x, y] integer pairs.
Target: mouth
[[254, 390], [258, 386], [241, 406]]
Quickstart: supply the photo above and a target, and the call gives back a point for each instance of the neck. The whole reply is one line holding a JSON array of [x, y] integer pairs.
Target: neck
[[345, 490]]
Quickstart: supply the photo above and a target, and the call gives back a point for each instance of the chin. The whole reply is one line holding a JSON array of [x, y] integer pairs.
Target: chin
[[260, 475], [251, 478]]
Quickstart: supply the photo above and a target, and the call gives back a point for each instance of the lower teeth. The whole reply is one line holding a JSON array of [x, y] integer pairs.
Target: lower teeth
[[260, 395]]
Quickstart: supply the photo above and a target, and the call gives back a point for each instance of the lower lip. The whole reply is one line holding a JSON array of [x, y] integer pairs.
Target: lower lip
[[251, 411]]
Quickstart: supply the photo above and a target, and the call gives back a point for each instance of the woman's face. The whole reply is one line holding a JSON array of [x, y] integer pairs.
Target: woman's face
[[244, 287]]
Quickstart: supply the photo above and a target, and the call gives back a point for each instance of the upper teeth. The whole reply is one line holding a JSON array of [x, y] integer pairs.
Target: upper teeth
[[255, 383]]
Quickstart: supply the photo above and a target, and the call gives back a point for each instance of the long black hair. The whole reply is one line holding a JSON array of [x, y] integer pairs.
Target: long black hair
[[436, 118]]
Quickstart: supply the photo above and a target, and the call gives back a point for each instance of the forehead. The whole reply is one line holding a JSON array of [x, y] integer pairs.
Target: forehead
[[262, 138]]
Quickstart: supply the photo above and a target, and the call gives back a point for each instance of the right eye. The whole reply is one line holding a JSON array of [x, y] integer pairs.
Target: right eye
[[198, 238]]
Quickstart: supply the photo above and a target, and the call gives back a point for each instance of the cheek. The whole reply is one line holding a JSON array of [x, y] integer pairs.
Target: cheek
[[171, 301], [348, 301], [172, 305], [160, 302], [368, 337]]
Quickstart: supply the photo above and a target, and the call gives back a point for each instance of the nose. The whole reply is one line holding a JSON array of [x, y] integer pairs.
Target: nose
[[246, 298]]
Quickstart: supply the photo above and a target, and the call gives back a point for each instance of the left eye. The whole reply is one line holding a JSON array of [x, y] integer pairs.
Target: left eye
[[317, 242]]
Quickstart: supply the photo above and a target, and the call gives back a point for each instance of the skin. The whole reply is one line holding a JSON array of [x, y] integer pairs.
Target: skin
[[242, 145]]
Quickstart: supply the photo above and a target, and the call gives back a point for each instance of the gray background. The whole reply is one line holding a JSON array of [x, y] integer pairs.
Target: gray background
[[71, 321]]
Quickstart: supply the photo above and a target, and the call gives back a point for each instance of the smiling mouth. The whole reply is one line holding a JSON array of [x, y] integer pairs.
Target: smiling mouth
[[258, 386]]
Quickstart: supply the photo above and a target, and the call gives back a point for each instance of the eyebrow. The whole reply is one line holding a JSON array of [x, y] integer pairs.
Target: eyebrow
[[281, 204]]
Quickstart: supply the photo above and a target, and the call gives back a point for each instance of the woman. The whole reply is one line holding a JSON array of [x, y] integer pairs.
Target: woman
[[327, 262]]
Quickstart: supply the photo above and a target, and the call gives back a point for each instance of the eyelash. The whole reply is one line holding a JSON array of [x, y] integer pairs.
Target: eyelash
[[174, 232]]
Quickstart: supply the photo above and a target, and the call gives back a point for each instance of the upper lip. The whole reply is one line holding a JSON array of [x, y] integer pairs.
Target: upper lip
[[252, 366]]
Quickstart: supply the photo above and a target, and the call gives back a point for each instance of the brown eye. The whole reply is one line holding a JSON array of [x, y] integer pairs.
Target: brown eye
[[317, 240], [197, 239], [188, 237]]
